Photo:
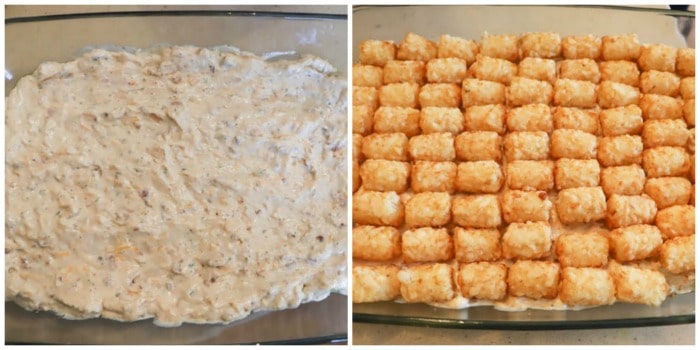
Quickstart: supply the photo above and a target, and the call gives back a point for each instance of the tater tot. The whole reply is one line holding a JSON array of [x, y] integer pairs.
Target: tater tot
[[523, 91], [583, 46], [689, 112], [399, 95], [357, 147], [626, 180], [377, 52], [611, 94], [538, 69], [485, 118], [441, 119], [427, 283], [692, 196], [620, 47], [658, 57], [623, 72], [533, 279], [626, 211], [476, 211], [365, 95], [377, 208], [661, 83], [428, 209], [372, 283], [438, 147], [586, 286], [621, 121], [386, 146], [440, 95], [530, 175], [570, 173], [483, 280], [417, 48], [397, 119], [493, 69], [677, 255], [477, 92], [675, 221], [575, 144], [665, 132], [582, 249], [691, 172], [691, 145], [580, 69], [484, 176], [356, 179], [426, 244], [636, 242], [362, 119], [666, 161], [385, 175], [433, 176], [638, 285], [526, 145], [574, 93], [524, 206], [478, 145], [452, 46], [530, 240], [530, 117], [446, 70], [404, 72], [661, 107], [685, 62], [544, 45], [503, 46], [476, 244], [366, 75], [376, 243], [687, 88], [578, 119], [692, 193], [580, 205], [620, 150]]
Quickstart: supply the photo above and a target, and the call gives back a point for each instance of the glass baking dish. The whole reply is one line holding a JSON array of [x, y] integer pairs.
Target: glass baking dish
[[32, 40], [652, 25]]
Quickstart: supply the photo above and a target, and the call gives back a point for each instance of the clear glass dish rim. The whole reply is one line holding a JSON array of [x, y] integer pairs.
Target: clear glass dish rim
[[437, 322], [181, 13], [668, 12]]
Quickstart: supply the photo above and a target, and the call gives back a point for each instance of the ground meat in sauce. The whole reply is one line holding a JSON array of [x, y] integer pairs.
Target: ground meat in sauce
[[184, 184]]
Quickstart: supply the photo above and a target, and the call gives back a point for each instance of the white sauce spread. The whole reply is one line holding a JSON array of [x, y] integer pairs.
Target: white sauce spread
[[180, 183]]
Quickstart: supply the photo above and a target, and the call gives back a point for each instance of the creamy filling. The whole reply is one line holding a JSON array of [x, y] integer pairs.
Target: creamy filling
[[180, 183]]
